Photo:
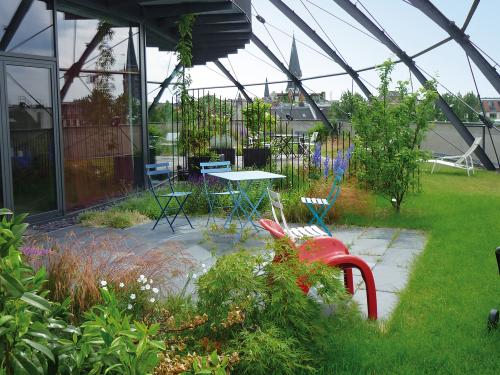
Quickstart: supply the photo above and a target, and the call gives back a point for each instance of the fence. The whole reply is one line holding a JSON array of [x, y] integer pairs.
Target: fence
[[249, 135]]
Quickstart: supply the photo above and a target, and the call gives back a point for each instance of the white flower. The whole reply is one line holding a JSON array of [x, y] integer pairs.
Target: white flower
[[144, 281], [122, 285], [142, 288], [142, 277], [151, 281], [132, 296], [152, 300], [148, 286], [155, 290], [105, 287], [203, 265], [104, 283], [129, 306], [139, 280], [195, 276]]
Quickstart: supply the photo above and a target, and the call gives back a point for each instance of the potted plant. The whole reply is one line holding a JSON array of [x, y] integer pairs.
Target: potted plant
[[257, 117]]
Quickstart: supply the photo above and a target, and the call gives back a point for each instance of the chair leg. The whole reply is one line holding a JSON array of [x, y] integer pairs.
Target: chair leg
[[433, 166], [164, 215], [350, 261], [348, 280]]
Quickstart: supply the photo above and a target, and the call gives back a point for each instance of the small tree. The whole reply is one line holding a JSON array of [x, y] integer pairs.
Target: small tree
[[389, 130]]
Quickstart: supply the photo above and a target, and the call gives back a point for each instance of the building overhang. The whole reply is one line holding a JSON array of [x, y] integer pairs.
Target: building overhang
[[221, 26]]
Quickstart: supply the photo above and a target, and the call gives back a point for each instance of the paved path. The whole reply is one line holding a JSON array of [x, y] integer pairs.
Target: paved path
[[389, 252]]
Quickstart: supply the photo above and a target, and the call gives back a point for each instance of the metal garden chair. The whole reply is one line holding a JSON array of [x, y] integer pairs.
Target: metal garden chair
[[214, 197], [319, 207], [283, 229], [158, 175]]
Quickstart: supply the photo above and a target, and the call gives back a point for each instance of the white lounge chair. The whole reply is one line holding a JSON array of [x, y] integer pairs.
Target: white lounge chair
[[460, 161]]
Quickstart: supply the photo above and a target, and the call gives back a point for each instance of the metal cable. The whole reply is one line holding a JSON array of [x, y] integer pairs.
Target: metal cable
[[344, 21], [324, 32]]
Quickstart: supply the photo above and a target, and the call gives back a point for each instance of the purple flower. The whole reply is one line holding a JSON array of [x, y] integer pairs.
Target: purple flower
[[317, 155], [326, 164], [33, 251], [341, 162]]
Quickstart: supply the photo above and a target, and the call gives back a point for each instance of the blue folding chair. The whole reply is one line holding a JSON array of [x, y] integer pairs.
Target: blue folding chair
[[324, 204], [214, 197], [156, 171]]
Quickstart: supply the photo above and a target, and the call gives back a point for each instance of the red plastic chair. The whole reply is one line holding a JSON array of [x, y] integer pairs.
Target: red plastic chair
[[334, 253]]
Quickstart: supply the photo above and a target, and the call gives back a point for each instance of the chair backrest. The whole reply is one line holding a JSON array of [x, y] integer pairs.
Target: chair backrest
[[157, 169], [471, 149], [314, 137], [276, 204], [215, 167]]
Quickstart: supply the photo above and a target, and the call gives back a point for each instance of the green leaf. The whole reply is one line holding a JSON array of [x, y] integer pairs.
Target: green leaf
[[4, 319], [11, 284], [214, 358], [25, 364], [41, 348], [5, 211], [56, 323], [113, 367], [36, 301]]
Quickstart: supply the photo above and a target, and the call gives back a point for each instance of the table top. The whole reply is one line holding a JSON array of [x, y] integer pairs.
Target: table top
[[246, 175]]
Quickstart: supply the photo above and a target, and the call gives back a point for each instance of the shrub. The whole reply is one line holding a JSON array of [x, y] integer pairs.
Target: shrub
[[112, 218], [75, 270], [255, 306], [389, 131]]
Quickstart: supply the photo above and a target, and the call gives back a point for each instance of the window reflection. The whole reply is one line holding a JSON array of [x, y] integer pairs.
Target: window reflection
[[29, 98], [101, 109], [26, 27]]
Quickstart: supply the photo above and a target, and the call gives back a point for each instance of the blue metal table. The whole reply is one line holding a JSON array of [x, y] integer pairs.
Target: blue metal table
[[243, 181]]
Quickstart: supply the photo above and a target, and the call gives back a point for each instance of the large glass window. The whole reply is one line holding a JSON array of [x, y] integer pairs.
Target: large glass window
[[101, 109], [27, 27], [31, 126]]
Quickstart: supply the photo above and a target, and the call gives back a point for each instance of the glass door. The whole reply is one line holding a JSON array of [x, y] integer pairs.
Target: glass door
[[30, 118]]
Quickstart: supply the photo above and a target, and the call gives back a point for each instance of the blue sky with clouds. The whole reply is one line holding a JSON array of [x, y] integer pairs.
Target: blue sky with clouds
[[405, 24]]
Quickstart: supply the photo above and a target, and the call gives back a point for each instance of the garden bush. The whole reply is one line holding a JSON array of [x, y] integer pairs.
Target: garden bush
[[389, 131]]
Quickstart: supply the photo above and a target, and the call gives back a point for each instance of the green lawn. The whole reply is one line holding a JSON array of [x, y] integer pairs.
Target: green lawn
[[439, 327]]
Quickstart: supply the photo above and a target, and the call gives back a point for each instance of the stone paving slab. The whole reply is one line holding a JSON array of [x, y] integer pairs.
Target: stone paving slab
[[389, 252]]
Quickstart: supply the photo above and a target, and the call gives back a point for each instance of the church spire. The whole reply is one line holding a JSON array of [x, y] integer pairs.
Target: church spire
[[266, 91], [294, 65]]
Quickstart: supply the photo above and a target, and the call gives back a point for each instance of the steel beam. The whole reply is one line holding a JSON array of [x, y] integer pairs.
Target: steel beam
[[233, 80], [291, 76], [428, 8], [14, 23], [301, 24], [75, 69], [163, 86], [369, 25]]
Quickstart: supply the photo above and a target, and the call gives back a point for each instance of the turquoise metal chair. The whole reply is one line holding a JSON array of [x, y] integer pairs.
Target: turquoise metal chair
[[319, 207], [214, 197], [159, 175]]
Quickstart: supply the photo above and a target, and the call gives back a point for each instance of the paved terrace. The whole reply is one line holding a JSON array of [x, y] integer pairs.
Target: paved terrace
[[389, 252]]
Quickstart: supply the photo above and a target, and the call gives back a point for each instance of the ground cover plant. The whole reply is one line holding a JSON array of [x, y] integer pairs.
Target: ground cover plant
[[439, 326]]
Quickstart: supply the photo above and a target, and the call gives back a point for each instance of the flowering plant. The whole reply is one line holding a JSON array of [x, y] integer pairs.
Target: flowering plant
[[341, 162]]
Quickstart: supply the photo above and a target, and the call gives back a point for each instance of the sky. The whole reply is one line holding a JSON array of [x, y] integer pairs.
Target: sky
[[410, 28]]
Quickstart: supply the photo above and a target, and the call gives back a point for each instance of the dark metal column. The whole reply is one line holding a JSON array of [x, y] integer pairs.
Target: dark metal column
[[233, 79], [163, 86], [301, 24], [359, 16], [426, 7], [295, 80], [14, 23]]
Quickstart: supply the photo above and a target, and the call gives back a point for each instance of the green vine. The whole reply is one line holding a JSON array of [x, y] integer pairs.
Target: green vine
[[184, 50]]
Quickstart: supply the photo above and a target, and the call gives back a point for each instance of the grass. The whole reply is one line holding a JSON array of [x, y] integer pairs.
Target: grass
[[112, 218], [439, 326]]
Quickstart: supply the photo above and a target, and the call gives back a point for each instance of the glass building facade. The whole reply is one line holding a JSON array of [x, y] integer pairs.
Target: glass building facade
[[72, 126]]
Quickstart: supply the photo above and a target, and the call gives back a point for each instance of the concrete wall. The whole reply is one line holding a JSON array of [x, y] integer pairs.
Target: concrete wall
[[443, 139]]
